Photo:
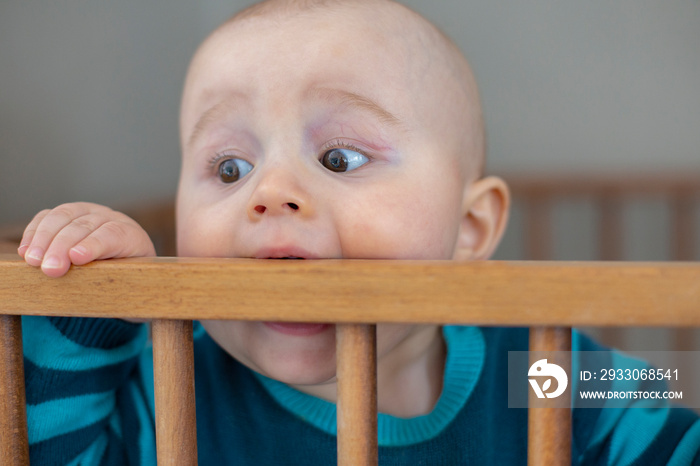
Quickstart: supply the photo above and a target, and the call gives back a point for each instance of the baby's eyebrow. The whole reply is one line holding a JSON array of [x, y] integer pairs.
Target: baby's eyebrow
[[350, 99], [334, 96], [210, 115]]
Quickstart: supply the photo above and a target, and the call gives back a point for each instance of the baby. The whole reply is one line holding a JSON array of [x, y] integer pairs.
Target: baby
[[309, 130]]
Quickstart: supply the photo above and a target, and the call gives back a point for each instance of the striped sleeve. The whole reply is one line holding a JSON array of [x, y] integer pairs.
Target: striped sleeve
[[645, 435], [85, 403], [633, 430]]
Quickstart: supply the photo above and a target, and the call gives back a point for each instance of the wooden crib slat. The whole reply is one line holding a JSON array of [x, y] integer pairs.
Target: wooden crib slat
[[610, 227], [173, 371], [549, 428], [683, 227], [538, 227], [356, 354], [14, 446], [610, 242]]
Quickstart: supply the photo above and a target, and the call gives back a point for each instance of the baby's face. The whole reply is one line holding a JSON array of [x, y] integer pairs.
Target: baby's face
[[311, 140]]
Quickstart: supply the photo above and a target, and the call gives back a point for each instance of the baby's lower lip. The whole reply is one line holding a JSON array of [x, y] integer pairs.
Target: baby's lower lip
[[297, 329]]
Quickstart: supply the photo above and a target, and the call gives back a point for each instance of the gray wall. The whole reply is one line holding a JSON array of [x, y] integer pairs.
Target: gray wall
[[89, 100], [89, 90]]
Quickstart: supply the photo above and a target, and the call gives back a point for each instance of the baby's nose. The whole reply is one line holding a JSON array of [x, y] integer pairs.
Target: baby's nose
[[279, 193], [261, 209]]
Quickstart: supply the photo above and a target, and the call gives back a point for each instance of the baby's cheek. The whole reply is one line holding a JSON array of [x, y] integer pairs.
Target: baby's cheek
[[193, 243], [204, 233], [398, 232]]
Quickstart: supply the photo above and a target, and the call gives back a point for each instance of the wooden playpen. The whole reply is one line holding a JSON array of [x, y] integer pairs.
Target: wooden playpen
[[548, 297]]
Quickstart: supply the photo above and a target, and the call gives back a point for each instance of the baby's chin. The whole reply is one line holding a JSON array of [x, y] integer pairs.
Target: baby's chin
[[297, 367], [305, 376], [302, 380], [295, 359]]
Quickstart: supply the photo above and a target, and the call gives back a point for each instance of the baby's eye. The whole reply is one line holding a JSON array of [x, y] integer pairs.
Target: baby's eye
[[343, 160], [231, 170]]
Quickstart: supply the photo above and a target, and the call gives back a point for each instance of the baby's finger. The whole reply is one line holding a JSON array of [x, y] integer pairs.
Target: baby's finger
[[57, 260], [29, 231], [113, 239], [48, 227]]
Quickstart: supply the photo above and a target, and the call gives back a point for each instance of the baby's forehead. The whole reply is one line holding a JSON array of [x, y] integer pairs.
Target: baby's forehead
[[379, 20], [400, 41], [319, 45], [413, 59]]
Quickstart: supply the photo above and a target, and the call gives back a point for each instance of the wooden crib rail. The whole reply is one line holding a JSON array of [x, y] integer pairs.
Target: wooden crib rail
[[355, 294], [353, 291], [539, 194]]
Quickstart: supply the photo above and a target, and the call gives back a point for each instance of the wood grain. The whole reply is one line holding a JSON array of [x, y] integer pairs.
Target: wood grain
[[173, 374], [549, 426], [485, 293], [480, 293], [14, 448], [357, 394]]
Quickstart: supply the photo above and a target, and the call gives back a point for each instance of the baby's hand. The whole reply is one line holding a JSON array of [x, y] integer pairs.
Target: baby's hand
[[79, 233]]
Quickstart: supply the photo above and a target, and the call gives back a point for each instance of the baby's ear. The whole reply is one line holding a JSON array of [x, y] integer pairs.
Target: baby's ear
[[484, 217]]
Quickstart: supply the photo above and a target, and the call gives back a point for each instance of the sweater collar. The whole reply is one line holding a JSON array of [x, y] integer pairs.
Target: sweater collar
[[463, 366]]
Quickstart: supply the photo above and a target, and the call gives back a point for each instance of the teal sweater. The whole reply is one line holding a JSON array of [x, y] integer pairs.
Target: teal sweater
[[90, 401]]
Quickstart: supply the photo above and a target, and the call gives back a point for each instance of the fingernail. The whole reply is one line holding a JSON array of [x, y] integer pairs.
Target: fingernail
[[35, 254], [22, 247], [82, 250], [51, 262]]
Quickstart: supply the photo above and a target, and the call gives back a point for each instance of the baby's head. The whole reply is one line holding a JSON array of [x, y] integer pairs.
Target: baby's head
[[331, 129]]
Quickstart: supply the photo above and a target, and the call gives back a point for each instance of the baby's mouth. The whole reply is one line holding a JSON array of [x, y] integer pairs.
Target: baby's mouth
[[284, 252], [298, 329]]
